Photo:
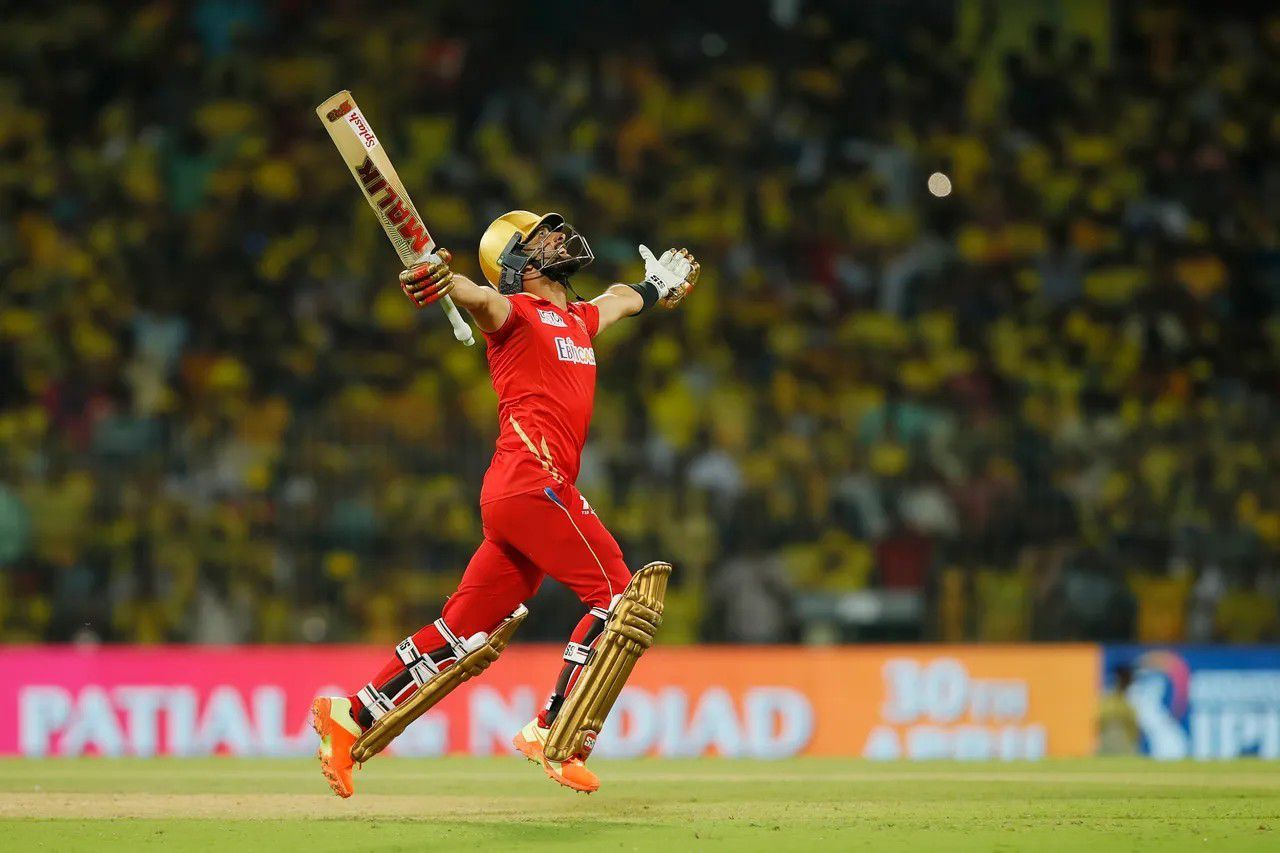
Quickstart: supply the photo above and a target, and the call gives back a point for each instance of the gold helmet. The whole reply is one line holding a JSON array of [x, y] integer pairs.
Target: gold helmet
[[503, 257]]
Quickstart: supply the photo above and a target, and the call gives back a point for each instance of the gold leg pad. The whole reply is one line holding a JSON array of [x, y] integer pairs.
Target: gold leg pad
[[465, 668], [629, 631]]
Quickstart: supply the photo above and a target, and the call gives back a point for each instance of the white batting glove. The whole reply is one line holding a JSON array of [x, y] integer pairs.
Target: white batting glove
[[667, 272]]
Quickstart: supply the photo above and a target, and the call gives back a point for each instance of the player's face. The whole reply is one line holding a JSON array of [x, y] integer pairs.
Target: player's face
[[558, 252], [547, 245]]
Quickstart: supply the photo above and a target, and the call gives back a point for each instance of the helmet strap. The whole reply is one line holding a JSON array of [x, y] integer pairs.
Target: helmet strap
[[561, 280], [577, 297]]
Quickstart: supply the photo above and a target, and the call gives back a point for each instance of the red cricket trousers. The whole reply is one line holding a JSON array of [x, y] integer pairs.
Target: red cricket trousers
[[527, 537]]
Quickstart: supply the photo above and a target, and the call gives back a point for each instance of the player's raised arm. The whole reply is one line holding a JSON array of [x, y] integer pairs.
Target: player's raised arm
[[427, 282], [667, 280]]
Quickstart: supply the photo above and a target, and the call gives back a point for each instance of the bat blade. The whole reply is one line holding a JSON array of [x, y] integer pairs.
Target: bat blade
[[382, 188]]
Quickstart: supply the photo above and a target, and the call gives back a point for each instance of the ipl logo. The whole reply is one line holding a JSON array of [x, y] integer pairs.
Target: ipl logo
[[1206, 704], [1159, 696]]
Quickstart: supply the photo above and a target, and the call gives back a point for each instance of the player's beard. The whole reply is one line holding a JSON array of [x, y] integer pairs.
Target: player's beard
[[571, 255]]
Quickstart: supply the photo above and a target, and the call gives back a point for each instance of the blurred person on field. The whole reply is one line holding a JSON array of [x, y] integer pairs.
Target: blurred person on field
[[1118, 729]]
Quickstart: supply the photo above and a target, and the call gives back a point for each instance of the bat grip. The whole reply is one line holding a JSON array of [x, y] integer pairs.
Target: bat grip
[[461, 329]]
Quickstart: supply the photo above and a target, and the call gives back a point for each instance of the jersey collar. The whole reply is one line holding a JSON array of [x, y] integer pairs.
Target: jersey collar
[[541, 300]]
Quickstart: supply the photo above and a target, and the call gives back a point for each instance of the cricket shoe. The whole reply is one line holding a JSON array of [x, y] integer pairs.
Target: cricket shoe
[[529, 741], [331, 718], [573, 773]]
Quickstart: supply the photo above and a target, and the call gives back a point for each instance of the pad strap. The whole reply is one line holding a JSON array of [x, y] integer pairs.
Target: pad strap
[[459, 649], [580, 653], [577, 653], [421, 667], [375, 700]]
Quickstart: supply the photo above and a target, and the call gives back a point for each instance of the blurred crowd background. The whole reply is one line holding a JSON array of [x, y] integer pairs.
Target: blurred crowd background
[[1041, 407]]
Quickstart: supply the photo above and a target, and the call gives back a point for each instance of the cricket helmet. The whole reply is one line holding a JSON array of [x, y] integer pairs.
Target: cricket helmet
[[505, 250]]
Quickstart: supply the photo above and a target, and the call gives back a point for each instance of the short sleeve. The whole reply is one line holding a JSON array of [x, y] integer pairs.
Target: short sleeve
[[590, 314], [509, 325]]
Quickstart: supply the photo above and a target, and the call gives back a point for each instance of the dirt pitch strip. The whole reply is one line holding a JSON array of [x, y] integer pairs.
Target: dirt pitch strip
[[1095, 805]]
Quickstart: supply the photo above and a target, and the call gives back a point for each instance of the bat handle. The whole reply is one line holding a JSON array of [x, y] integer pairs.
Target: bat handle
[[461, 329]]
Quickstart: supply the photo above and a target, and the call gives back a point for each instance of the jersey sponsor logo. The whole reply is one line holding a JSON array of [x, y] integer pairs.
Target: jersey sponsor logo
[[567, 350], [551, 318]]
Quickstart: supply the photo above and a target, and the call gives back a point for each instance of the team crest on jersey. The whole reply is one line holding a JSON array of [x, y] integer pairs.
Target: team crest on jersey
[[567, 350], [551, 318]]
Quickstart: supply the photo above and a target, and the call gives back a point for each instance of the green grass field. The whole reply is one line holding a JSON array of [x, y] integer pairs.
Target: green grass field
[[487, 804]]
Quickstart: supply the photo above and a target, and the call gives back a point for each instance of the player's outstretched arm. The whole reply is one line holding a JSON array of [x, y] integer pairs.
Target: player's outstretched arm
[[427, 282], [667, 280], [620, 300]]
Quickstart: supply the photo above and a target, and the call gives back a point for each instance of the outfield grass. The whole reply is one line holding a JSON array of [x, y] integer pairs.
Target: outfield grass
[[486, 804]]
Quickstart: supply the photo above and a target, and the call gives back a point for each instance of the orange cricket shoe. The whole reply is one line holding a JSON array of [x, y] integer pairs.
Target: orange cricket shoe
[[331, 718], [572, 773]]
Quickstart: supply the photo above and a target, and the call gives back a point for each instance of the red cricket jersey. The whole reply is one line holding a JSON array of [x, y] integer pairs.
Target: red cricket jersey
[[544, 370]]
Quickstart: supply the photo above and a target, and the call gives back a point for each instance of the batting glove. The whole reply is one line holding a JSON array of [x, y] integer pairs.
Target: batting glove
[[674, 274], [428, 281]]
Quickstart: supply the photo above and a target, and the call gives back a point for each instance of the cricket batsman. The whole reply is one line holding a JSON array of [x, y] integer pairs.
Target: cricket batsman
[[535, 521]]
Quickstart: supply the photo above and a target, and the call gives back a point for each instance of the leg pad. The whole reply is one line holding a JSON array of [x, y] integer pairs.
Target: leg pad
[[389, 726], [633, 622]]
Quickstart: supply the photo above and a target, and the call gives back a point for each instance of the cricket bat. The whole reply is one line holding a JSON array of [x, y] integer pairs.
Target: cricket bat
[[377, 178]]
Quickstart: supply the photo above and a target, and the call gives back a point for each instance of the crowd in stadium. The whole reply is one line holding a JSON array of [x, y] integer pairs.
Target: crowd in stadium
[[1046, 401]]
